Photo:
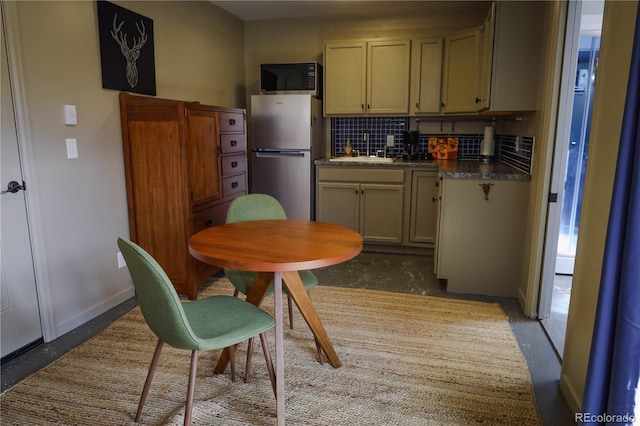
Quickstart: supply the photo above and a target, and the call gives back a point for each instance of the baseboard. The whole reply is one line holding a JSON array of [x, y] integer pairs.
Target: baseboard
[[87, 315], [570, 393]]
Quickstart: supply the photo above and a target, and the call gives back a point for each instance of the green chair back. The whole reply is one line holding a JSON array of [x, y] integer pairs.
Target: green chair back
[[158, 300], [255, 207]]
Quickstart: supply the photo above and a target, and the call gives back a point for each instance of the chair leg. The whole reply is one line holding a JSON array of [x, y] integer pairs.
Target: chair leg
[[147, 383], [247, 369], [267, 358], [232, 361], [236, 293], [191, 388]]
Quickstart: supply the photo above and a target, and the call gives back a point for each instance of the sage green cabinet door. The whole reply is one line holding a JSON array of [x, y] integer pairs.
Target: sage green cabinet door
[[339, 203], [388, 71], [381, 211], [426, 76], [345, 77], [424, 207], [461, 72]]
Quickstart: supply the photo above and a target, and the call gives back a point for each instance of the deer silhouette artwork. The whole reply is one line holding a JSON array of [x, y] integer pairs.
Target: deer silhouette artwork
[[131, 54]]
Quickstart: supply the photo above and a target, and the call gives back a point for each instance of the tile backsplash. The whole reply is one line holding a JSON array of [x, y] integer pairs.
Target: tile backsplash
[[469, 146]]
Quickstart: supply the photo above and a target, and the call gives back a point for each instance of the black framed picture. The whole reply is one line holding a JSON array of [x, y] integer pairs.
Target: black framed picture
[[126, 49]]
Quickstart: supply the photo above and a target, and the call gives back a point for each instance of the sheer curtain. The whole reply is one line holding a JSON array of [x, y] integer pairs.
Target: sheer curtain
[[613, 375]]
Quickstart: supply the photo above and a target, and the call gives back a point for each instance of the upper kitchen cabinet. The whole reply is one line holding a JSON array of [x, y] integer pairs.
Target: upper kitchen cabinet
[[516, 55], [367, 77], [460, 81], [426, 75], [495, 67]]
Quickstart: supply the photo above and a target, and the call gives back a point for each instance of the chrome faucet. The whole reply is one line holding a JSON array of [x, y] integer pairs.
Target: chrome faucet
[[365, 136]]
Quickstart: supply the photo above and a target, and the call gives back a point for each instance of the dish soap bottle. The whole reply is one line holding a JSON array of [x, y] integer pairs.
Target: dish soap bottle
[[348, 148]]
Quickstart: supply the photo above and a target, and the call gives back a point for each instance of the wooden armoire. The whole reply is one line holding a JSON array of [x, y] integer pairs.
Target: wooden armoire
[[184, 164]]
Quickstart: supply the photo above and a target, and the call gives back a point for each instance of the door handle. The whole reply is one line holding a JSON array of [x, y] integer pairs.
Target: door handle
[[13, 187]]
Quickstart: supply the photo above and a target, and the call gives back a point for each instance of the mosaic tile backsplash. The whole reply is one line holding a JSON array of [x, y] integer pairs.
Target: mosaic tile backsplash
[[469, 146]]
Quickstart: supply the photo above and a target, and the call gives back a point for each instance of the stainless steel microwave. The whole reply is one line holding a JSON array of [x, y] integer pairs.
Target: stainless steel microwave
[[300, 77]]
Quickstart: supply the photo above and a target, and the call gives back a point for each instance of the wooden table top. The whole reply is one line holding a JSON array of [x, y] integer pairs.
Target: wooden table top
[[275, 245]]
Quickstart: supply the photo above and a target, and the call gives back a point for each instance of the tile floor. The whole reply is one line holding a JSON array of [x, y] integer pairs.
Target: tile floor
[[389, 272]]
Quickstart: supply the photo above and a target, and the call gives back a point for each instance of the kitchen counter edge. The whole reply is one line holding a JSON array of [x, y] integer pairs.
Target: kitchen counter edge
[[452, 169]]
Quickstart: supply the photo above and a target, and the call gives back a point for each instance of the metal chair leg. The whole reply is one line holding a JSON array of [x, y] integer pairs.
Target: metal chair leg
[[290, 302], [247, 369], [269, 361], [232, 361], [147, 383], [191, 388]]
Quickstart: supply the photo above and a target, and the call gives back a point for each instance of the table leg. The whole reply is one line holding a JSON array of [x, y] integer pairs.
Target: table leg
[[256, 296], [301, 297], [277, 292]]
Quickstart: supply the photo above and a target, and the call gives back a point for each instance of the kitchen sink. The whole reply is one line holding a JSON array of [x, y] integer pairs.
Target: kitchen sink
[[364, 159]]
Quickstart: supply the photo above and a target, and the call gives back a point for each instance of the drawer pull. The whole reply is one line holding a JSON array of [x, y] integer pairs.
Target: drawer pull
[[233, 143], [232, 122], [208, 223], [234, 185], [234, 164]]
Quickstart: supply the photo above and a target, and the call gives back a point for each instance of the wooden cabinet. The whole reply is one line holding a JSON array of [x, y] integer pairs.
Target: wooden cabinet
[[423, 216], [366, 77], [369, 201], [480, 243], [184, 163], [426, 76]]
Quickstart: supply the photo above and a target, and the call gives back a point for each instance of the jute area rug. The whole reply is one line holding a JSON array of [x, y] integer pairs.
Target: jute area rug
[[406, 360]]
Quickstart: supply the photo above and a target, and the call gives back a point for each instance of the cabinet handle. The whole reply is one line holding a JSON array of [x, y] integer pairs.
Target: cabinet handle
[[478, 100], [435, 199], [233, 143], [234, 164], [362, 107], [368, 107], [208, 223], [442, 104], [417, 105], [232, 122], [234, 185]]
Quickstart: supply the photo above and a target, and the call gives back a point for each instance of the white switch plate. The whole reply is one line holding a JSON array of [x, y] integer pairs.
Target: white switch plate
[[390, 140], [72, 148], [121, 262], [70, 116]]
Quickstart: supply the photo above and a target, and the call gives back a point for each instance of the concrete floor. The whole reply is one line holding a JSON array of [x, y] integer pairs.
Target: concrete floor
[[391, 272]]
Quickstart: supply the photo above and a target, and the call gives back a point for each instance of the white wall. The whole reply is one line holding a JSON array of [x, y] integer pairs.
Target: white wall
[[79, 206]]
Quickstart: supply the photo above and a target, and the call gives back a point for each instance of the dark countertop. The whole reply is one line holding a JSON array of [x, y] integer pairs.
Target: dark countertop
[[453, 169]]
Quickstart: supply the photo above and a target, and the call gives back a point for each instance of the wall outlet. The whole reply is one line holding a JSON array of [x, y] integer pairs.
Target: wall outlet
[[390, 140], [121, 262]]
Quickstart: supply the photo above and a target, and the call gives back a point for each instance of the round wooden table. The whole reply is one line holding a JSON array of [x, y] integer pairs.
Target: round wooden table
[[276, 250]]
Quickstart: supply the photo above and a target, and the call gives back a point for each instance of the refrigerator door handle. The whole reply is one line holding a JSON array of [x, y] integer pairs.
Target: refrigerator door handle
[[279, 154]]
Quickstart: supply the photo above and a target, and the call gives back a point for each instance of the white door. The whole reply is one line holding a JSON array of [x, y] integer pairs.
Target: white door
[[20, 315]]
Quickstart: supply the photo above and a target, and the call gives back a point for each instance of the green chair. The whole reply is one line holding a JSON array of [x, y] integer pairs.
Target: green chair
[[262, 207], [210, 323]]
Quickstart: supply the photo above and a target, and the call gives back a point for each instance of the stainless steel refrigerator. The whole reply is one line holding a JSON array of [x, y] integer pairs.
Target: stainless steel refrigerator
[[287, 135]]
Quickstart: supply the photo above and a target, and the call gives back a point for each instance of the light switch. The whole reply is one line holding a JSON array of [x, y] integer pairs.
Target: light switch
[[72, 148], [70, 116]]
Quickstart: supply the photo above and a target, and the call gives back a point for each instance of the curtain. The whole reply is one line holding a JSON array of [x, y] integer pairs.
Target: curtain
[[614, 364]]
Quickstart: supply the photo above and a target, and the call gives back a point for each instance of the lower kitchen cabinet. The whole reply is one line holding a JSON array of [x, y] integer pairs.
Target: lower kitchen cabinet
[[369, 201], [481, 235], [423, 212]]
